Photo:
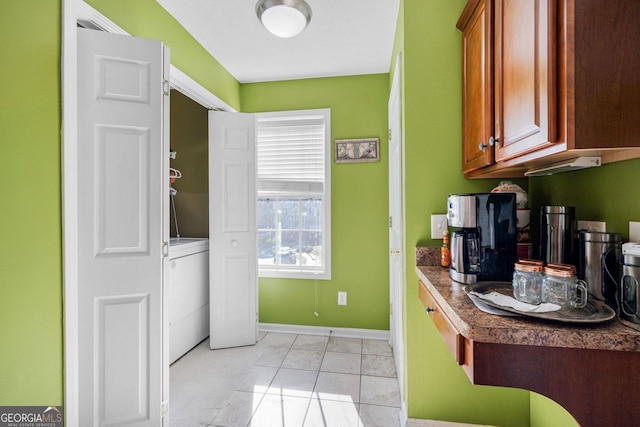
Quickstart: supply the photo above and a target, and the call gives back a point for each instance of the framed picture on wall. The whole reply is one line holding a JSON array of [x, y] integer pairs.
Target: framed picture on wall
[[357, 150]]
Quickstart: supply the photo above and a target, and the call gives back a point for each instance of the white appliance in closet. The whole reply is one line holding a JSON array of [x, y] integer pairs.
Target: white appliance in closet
[[189, 294]]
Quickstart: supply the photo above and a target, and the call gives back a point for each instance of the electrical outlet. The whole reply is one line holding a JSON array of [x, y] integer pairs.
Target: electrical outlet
[[592, 226], [342, 298], [438, 225], [634, 231]]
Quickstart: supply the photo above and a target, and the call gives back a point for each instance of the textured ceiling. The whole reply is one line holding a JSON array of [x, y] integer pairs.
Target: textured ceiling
[[345, 37]]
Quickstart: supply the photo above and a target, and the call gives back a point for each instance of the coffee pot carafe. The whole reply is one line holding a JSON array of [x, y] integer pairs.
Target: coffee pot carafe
[[465, 260]]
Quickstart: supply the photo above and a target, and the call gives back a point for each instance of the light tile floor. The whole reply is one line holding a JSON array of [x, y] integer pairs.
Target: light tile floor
[[287, 380]]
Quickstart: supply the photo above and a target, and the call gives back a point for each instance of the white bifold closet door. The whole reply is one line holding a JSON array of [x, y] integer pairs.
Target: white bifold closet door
[[233, 256], [122, 185]]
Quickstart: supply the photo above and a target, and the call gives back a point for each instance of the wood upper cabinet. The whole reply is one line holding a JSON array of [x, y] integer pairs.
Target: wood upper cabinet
[[477, 90], [508, 75], [600, 73], [548, 81], [524, 74]]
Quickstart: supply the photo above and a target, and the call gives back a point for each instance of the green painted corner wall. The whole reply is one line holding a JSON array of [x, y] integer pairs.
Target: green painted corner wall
[[31, 364], [30, 217], [31, 360], [606, 193], [547, 413], [147, 18], [359, 201], [189, 127], [437, 387]]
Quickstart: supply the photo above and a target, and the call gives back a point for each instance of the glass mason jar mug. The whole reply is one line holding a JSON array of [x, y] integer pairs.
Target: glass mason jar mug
[[561, 286], [527, 281]]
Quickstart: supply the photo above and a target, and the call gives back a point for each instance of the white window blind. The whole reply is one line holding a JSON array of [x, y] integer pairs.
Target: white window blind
[[294, 194], [291, 154]]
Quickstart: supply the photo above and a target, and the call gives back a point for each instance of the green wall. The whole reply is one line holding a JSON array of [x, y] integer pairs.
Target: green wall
[[31, 360], [30, 227], [607, 193], [359, 214], [31, 364], [545, 412], [190, 140], [146, 18], [437, 386]]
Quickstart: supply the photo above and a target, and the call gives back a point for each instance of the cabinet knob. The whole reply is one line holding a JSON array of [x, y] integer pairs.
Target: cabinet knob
[[430, 310], [491, 143]]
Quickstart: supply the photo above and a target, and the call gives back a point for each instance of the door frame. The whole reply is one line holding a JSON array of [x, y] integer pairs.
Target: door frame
[[398, 314], [74, 12]]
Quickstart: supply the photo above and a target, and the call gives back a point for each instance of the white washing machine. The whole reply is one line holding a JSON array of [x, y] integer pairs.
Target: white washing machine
[[189, 294]]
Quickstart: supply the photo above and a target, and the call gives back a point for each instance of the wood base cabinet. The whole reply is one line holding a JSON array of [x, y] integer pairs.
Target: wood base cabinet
[[548, 80], [597, 387]]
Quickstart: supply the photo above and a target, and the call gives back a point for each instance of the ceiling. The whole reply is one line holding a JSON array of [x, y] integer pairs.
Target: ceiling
[[344, 37]]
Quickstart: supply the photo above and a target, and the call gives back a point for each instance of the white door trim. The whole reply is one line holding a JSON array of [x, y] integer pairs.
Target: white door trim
[[91, 18], [69, 211], [400, 353], [74, 11]]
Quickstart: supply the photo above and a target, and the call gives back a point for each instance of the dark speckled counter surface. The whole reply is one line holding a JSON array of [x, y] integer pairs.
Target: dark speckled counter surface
[[479, 326], [574, 364]]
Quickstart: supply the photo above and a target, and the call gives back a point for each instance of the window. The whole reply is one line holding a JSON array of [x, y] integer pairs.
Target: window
[[294, 194]]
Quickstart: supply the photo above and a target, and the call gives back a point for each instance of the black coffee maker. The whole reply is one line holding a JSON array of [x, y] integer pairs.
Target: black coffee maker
[[484, 242]]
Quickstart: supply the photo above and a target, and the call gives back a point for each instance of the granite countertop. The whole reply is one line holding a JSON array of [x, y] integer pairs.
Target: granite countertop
[[479, 326]]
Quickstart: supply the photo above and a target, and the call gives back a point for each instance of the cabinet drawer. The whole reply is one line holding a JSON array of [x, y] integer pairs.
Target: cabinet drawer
[[452, 338]]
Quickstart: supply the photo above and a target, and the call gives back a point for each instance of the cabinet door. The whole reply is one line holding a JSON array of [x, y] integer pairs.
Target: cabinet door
[[524, 75], [477, 98]]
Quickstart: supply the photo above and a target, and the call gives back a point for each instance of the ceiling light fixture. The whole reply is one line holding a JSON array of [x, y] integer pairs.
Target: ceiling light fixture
[[284, 18]]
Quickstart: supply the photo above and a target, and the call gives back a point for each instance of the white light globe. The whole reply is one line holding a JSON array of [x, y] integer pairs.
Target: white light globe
[[283, 21]]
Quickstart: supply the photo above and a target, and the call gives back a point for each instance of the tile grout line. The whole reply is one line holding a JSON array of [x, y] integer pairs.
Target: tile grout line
[[306, 413], [360, 384], [271, 382], [318, 371]]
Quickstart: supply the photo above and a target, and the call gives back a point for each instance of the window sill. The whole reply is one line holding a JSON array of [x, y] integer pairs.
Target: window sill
[[294, 274]]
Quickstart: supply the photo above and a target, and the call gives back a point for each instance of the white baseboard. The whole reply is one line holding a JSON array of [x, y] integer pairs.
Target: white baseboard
[[432, 423], [371, 334], [403, 414]]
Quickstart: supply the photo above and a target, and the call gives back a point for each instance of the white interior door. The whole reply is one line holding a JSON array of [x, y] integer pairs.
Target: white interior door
[[396, 225], [232, 230], [121, 180]]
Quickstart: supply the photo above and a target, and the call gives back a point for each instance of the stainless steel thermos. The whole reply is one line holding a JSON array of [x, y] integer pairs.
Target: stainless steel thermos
[[598, 263], [629, 278], [557, 229]]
